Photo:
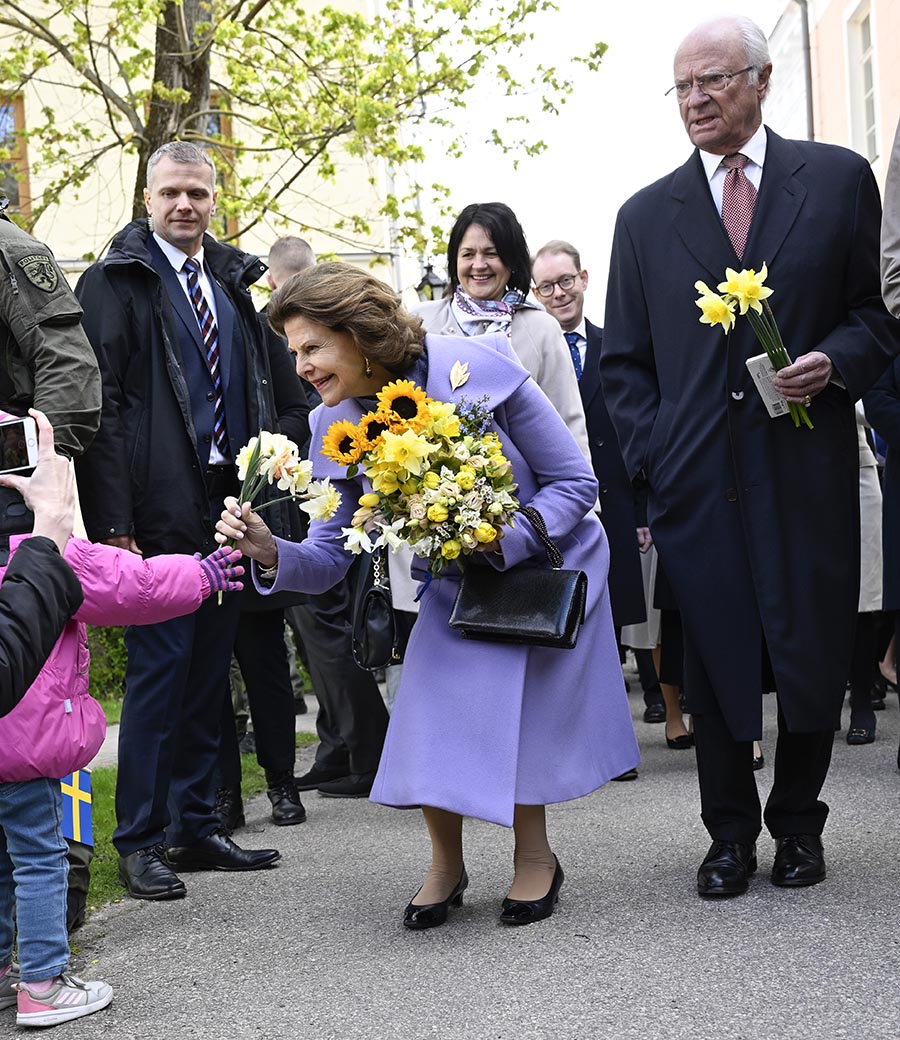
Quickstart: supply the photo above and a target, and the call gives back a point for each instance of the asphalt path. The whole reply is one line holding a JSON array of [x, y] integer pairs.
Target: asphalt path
[[314, 949]]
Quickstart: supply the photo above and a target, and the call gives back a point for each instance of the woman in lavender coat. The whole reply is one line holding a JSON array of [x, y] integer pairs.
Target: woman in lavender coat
[[490, 730]]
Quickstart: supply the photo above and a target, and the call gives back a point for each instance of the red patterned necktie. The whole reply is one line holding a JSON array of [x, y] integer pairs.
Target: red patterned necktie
[[210, 334], [738, 200]]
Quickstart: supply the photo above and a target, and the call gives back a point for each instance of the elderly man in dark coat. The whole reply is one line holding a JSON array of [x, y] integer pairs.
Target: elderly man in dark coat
[[756, 521]]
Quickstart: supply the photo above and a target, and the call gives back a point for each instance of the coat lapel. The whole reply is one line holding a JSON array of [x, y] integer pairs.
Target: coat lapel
[[781, 196], [177, 297], [225, 323], [697, 223]]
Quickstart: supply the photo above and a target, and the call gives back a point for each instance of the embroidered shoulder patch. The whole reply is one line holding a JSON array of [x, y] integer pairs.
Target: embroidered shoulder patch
[[40, 270]]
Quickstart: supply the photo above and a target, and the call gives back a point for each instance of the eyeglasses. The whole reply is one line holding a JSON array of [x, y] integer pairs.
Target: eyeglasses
[[546, 289], [711, 83]]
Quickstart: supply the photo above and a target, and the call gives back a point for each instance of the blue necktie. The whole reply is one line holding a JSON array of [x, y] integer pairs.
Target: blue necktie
[[572, 339]]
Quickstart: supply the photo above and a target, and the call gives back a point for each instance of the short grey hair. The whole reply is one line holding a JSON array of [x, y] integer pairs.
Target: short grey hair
[[289, 255], [559, 245], [181, 152], [756, 46]]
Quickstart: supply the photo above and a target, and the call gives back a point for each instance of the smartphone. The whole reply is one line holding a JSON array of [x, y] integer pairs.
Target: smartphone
[[18, 445]]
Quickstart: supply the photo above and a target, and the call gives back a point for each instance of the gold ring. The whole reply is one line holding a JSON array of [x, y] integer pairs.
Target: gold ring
[[807, 400]]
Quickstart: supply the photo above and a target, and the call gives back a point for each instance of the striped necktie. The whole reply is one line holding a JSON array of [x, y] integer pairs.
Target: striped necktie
[[738, 200], [572, 339], [209, 332]]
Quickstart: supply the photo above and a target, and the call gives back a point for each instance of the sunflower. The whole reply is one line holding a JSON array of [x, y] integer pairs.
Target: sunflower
[[342, 443], [371, 426], [404, 405]]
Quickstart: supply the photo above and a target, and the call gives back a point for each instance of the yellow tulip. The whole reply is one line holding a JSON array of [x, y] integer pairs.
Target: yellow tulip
[[485, 532], [466, 478], [451, 549], [369, 500], [437, 513], [431, 480]]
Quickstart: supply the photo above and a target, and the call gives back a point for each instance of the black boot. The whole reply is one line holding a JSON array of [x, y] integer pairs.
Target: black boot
[[230, 808], [286, 805]]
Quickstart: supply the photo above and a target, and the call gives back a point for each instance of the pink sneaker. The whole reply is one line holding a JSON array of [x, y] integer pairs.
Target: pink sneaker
[[68, 998]]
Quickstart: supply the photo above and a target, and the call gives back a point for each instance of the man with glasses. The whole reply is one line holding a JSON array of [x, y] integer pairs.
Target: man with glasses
[[560, 284], [756, 521]]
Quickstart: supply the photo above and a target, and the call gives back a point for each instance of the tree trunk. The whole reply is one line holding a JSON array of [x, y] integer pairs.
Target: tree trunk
[[182, 62]]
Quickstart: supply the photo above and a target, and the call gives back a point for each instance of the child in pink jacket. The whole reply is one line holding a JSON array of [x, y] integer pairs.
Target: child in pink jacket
[[56, 728]]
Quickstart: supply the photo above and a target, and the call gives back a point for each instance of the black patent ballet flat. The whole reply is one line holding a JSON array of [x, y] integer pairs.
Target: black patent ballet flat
[[430, 915], [527, 911], [682, 743]]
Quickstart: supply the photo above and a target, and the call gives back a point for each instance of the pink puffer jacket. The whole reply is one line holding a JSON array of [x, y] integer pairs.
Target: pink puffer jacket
[[58, 726]]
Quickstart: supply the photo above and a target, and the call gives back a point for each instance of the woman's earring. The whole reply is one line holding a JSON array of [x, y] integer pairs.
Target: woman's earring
[[368, 367]]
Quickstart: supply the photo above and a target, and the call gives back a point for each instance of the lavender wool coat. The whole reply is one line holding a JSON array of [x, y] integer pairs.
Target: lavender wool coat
[[478, 727]]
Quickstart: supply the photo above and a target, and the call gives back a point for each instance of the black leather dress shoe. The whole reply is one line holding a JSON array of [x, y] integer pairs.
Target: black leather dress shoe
[[726, 869], [147, 875], [655, 713], [527, 911], [311, 780], [286, 805], [218, 852], [229, 808], [430, 915], [799, 861], [356, 785]]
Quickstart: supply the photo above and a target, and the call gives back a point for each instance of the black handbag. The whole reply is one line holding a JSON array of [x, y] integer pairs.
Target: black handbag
[[379, 635], [535, 606]]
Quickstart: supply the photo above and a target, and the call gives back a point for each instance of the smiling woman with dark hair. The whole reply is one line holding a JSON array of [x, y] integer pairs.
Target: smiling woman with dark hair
[[490, 273]]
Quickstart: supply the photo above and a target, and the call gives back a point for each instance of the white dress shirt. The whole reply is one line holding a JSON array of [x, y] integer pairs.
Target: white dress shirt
[[754, 149]]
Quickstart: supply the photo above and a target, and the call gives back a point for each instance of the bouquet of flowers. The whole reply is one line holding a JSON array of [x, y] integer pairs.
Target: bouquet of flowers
[[746, 291], [440, 482]]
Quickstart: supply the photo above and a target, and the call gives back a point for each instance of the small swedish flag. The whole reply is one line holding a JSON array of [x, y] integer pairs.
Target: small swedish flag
[[77, 821]]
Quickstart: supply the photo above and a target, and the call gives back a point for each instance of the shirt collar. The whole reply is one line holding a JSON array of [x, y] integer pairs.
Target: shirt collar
[[175, 256], [754, 149]]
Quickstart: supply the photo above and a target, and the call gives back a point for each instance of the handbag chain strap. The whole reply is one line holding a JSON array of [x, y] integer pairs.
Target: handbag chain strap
[[537, 522], [379, 569]]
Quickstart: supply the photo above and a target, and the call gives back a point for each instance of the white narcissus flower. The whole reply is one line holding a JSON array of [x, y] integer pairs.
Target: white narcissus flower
[[324, 500], [357, 540], [244, 456], [390, 534], [297, 478]]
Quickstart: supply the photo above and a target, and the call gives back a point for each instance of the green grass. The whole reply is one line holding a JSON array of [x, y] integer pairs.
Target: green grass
[[105, 885]]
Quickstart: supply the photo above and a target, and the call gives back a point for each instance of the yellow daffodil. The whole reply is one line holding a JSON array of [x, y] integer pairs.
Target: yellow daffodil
[[342, 443], [406, 451], [746, 287], [716, 310], [385, 481]]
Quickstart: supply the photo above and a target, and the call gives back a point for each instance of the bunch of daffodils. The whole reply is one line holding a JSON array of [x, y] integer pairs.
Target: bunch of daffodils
[[440, 482], [746, 291], [271, 458]]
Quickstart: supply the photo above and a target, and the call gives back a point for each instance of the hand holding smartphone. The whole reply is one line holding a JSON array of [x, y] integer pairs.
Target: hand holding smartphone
[[18, 445]]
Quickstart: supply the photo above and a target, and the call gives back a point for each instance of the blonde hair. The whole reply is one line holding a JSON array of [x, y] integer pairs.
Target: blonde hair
[[346, 299]]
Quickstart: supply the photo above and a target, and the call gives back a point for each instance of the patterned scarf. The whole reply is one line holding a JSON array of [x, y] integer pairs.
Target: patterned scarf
[[479, 317]]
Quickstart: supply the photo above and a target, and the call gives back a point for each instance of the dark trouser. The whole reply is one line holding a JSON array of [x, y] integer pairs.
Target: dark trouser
[[864, 669], [352, 718], [169, 733], [262, 655], [649, 679], [729, 799]]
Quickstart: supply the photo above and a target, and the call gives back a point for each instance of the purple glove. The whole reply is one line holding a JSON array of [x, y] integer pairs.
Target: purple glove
[[220, 571]]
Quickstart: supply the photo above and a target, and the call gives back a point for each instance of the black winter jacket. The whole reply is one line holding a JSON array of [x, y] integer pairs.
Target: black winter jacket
[[143, 474]]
